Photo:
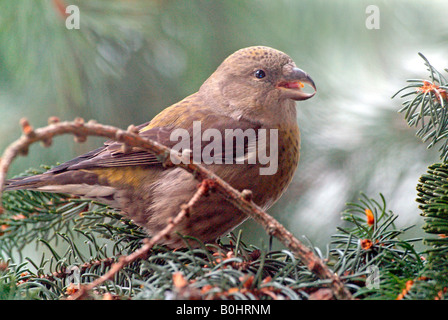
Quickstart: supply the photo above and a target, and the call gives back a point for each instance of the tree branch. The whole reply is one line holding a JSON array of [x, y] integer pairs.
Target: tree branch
[[147, 246], [241, 200]]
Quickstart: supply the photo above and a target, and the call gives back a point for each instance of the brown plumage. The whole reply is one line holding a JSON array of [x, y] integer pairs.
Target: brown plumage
[[253, 89]]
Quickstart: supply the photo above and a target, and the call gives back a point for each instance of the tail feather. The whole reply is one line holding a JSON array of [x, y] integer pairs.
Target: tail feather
[[23, 183], [45, 180], [78, 182]]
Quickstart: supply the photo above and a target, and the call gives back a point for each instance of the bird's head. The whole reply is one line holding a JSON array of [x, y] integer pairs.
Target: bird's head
[[259, 76]]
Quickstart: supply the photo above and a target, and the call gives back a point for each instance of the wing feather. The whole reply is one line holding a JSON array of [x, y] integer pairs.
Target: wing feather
[[112, 155]]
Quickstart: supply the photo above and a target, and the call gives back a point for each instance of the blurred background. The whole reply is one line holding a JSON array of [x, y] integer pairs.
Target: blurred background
[[132, 58]]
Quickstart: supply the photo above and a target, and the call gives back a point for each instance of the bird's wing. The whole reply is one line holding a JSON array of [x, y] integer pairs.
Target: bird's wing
[[113, 155]]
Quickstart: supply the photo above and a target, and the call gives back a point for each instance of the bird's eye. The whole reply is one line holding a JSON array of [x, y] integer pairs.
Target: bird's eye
[[259, 74]]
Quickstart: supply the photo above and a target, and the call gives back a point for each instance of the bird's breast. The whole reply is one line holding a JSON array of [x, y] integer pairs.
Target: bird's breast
[[267, 178], [288, 159]]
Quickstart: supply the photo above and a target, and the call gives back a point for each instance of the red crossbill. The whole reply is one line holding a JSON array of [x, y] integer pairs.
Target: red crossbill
[[250, 98]]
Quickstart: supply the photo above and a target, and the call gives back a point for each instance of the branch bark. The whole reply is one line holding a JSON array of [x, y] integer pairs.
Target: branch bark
[[147, 246], [241, 200]]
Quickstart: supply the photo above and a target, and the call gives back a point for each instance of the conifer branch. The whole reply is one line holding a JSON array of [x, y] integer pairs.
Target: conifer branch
[[242, 201], [425, 107], [203, 189]]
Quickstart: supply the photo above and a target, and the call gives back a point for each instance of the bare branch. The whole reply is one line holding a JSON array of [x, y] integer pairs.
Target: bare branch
[[147, 246], [242, 201]]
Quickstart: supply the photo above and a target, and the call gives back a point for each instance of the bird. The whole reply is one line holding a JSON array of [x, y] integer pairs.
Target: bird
[[251, 98]]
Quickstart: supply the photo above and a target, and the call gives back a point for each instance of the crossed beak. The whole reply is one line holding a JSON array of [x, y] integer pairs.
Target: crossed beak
[[293, 82]]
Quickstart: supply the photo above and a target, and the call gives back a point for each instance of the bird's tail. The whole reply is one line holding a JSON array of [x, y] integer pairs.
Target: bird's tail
[[77, 182], [26, 183]]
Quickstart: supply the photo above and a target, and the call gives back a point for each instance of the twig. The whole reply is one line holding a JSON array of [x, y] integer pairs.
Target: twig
[[65, 273], [147, 246], [241, 200]]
